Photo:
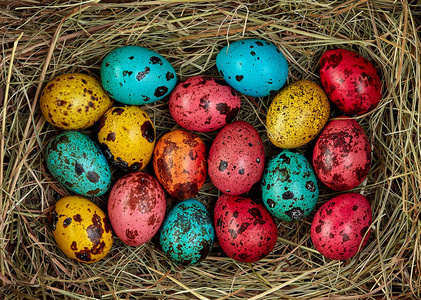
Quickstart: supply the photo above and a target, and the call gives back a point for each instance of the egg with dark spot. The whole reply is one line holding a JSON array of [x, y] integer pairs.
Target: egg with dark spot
[[179, 161], [341, 226], [253, 67], [236, 158], [342, 155], [136, 207], [187, 234], [244, 228], [135, 75], [78, 163], [289, 186], [204, 103], [127, 137], [81, 229]]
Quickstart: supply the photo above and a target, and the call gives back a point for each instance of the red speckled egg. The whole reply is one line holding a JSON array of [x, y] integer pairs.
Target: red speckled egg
[[204, 103], [245, 229], [350, 81], [179, 161], [342, 155], [341, 225], [136, 208], [236, 158]]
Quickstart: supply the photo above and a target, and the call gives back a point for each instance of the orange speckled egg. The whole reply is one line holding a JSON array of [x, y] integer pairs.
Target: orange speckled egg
[[179, 162]]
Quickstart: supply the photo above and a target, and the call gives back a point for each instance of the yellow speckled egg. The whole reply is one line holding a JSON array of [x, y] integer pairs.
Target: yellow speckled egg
[[74, 101], [297, 114], [81, 229], [127, 137]]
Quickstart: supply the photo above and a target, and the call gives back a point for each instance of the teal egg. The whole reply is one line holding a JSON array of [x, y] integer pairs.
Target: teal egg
[[77, 163], [187, 233], [289, 186]]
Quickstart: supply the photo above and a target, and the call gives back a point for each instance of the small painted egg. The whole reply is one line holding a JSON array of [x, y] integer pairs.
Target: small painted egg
[[289, 186], [297, 114], [179, 161], [253, 67], [341, 226], [244, 228], [136, 207], [127, 137], [187, 233], [204, 103], [236, 158], [74, 101], [350, 81], [342, 155], [135, 75], [78, 163], [81, 229]]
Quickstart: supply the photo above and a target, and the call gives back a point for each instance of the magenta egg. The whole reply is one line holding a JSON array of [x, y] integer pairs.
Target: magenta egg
[[136, 208], [341, 226], [236, 158], [204, 103]]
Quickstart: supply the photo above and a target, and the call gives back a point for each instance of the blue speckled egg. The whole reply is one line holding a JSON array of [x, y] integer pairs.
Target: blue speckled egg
[[187, 233], [135, 75], [77, 163], [289, 186], [253, 67]]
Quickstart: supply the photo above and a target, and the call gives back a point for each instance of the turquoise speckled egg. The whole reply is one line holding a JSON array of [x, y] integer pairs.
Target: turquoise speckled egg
[[289, 186], [77, 163], [187, 233], [135, 75]]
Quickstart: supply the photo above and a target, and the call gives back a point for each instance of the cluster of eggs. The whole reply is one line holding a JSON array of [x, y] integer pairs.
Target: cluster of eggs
[[245, 228]]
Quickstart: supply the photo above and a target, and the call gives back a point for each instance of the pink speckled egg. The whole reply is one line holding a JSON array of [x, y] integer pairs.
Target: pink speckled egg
[[136, 208], [236, 158], [341, 226], [204, 103]]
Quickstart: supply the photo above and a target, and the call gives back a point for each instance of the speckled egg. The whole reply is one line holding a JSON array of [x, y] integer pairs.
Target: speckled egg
[[244, 228], [78, 163], [127, 137], [81, 229], [289, 186], [135, 75], [136, 207], [342, 155], [297, 114], [187, 233], [253, 67], [350, 81], [341, 226], [204, 103], [236, 158], [74, 101], [179, 161]]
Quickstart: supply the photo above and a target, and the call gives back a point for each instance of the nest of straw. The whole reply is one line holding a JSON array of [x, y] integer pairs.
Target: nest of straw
[[43, 39]]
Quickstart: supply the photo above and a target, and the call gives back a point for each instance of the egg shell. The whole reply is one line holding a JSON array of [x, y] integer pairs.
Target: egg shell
[[204, 103], [253, 67], [244, 228], [297, 114], [236, 158], [179, 161], [289, 186], [135, 75], [74, 101], [78, 163], [350, 81], [341, 226], [81, 229], [187, 234], [127, 137], [342, 155], [136, 208]]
